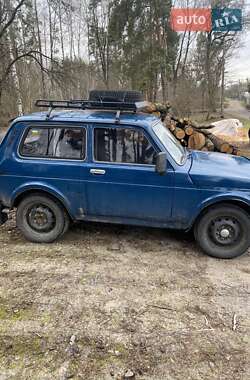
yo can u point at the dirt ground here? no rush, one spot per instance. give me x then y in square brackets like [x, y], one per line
[109, 300]
[236, 108]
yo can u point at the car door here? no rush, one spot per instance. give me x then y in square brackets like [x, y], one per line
[122, 181]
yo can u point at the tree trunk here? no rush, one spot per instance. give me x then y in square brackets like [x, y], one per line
[50, 32]
[61, 30]
[210, 91]
[222, 84]
[164, 86]
[219, 144]
[15, 77]
[40, 49]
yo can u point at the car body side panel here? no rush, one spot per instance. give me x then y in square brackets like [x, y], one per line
[46, 187]
[62, 178]
[131, 192]
[210, 198]
[186, 200]
[220, 172]
[191, 196]
[189, 203]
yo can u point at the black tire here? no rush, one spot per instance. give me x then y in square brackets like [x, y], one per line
[41, 219]
[212, 228]
[66, 224]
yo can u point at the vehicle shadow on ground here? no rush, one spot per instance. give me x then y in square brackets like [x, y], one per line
[139, 238]
[136, 237]
[145, 232]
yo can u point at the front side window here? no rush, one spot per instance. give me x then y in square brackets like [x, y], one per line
[123, 145]
[61, 143]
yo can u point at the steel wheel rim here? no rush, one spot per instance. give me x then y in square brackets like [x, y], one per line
[41, 218]
[225, 231]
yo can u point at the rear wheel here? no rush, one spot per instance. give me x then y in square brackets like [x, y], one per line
[223, 232]
[41, 219]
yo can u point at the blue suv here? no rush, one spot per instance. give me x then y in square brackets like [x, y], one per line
[103, 161]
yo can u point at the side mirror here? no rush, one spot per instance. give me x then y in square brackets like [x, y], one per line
[161, 163]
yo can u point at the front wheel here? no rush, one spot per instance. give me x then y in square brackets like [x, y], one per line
[41, 219]
[223, 231]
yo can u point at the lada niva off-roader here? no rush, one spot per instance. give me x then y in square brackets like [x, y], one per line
[102, 160]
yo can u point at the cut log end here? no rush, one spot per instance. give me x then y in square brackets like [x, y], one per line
[197, 141]
[179, 133]
[189, 130]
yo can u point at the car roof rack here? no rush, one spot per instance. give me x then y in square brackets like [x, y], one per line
[92, 105]
[107, 103]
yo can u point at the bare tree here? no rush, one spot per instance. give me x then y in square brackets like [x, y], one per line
[40, 47]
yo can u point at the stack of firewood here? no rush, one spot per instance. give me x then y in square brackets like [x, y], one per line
[192, 135]
[197, 137]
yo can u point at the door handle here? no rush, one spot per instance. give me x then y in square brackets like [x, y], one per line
[97, 171]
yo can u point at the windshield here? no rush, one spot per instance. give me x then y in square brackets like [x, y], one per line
[173, 146]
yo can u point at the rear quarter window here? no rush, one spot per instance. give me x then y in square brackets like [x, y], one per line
[57, 143]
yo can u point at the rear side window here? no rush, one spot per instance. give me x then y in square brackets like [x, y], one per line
[61, 143]
[123, 145]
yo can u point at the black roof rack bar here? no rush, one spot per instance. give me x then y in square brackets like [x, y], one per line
[55, 104]
[90, 104]
[50, 110]
[117, 118]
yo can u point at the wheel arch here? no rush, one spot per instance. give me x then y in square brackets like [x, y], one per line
[20, 195]
[226, 202]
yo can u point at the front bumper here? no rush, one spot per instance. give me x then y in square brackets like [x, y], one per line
[3, 215]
